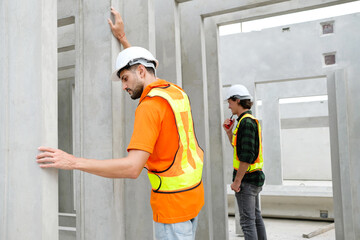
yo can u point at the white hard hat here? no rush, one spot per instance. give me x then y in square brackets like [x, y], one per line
[238, 91]
[131, 56]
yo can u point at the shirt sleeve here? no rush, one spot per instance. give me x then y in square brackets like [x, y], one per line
[147, 125]
[247, 149]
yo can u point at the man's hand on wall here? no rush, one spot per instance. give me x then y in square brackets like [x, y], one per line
[55, 158]
[118, 28]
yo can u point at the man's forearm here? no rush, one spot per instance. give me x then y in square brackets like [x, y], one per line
[110, 168]
[241, 171]
[127, 167]
[124, 42]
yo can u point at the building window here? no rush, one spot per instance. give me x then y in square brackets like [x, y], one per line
[329, 59]
[327, 27]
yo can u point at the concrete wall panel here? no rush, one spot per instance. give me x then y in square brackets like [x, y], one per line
[98, 203]
[168, 50]
[66, 8]
[139, 21]
[66, 35]
[344, 158]
[28, 89]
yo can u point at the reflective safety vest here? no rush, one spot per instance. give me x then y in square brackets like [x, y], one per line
[258, 164]
[185, 172]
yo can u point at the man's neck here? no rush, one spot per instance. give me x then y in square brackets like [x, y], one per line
[242, 110]
[150, 79]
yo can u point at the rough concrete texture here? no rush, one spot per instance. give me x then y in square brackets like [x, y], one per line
[287, 229]
[28, 119]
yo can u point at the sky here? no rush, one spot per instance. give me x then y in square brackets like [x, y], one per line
[306, 16]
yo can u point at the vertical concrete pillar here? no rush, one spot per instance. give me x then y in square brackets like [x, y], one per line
[271, 137]
[99, 203]
[139, 21]
[344, 118]
[168, 49]
[193, 84]
[28, 119]
[214, 103]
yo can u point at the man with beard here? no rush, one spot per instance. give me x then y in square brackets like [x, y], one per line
[163, 142]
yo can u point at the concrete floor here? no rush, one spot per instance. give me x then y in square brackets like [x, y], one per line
[286, 229]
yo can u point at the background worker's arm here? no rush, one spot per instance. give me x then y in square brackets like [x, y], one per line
[239, 176]
[127, 167]
[118, 29]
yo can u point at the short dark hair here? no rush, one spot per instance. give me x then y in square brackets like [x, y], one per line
[245, 103]
[128, 67]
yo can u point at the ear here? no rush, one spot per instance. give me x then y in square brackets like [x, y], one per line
[142, 71]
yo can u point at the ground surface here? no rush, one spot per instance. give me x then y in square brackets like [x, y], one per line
[285, 229]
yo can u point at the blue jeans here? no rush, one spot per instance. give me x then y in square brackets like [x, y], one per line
[251, 221]
[176, 231]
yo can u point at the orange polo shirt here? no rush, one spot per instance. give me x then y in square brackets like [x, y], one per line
[155, 132]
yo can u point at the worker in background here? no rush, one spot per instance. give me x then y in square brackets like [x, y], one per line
[163, 141]
[248, 177]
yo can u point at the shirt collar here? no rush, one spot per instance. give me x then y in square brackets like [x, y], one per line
[241, 115]
[158, 83]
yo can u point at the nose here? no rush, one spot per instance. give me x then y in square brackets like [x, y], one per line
[124, 86]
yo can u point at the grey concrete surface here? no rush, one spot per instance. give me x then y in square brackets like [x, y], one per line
[28, 119]
[139, 19]
[287, 229]
[98, 205]
[66, 41]
[343, 151]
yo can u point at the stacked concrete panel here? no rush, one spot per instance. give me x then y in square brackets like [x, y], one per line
[139, 20]
[66, 84]
[28, 119]
[98, 202]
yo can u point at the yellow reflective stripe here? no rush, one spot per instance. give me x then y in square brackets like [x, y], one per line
[191, 137]
[178, 106]
[191, 176]
[233, 142]
[176, 183]
[255, 166]
[252, 167]
[236, 161]
[182, 105]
